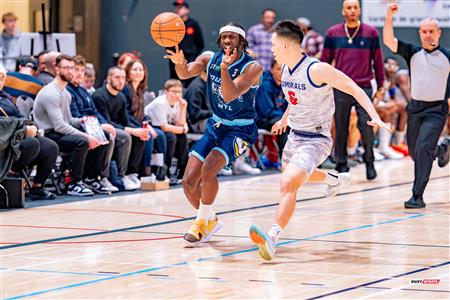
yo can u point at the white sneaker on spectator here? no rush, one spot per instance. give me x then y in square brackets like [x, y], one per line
[106, 183]
[390, 153]
[134, 178]
[128, 184]
[78, 189]
[241, 167]
[96, 185]
[225, 172]
[377, 155]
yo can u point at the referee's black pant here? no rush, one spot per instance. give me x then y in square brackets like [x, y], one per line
[344, 103]
[425, 123]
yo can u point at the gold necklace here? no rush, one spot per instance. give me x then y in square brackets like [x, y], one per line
[350, 38]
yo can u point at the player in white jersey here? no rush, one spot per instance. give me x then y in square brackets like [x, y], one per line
[307, 85]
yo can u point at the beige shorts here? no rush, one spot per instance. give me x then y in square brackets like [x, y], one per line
[306, 152]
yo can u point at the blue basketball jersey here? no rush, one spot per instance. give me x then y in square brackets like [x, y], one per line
[241, 108]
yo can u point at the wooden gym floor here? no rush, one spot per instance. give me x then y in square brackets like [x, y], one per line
[360, 244]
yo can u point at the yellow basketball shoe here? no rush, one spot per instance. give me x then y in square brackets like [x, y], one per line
[195, 233]
[212, 227]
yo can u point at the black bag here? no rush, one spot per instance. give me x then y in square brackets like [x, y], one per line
[12, 195]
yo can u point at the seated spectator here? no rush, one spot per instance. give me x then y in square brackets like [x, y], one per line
[23, 86]
[89, 79]
[48, 73]
[112, 104]
[35, 150]
[82, 105]
[125, 59]
[168, 112]
[136, 76]
[268, 110]
[52, 113]
[198, 109]
[402, 98]
[386, 105]
[41, 57]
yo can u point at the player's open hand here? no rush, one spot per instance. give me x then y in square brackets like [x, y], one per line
[279, 127]
[176, 57]
[229, 57]
[379, 123]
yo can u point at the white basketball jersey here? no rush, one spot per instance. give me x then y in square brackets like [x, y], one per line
[311, 105]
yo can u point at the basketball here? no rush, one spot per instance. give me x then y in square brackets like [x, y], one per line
[167, 29]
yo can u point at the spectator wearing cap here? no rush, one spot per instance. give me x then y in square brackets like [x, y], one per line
[259, 38]
[22, 85]
[192, 44]
[10, 41]
[312, 41]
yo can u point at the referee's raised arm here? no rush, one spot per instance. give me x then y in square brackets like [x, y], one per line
[388, 30]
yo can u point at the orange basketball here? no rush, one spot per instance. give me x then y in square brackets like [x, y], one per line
[167, 29]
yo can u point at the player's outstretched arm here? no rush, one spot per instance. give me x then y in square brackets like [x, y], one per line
[232, 89]
[324, 73]
[388, 30]
[184, 69]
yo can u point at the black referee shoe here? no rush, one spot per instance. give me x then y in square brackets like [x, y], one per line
[444, 158]
[415, 203]
[371, 173]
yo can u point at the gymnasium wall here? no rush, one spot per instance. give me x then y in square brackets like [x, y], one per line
[125, 25]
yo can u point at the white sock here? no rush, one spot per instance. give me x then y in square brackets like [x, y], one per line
[275, 231]
[331, 179]
[351, 150]
[212, 216]
[399, 136]
[384, 137]
[204, 212]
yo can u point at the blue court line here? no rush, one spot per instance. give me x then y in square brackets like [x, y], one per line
[380, 280]
[62, 272]
[84, 283]
[192, 218]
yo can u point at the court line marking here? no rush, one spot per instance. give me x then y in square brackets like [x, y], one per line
[63, 272]
[84, 283]
[109, 210]
[192, 218]
[378, 281]
[109, 241]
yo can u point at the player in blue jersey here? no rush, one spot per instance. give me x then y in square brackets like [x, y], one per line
[233, 77]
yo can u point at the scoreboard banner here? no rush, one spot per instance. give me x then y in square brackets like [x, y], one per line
[410, 13]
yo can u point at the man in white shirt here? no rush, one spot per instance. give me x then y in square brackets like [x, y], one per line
[168, 112]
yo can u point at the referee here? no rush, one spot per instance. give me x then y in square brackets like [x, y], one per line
[429, 67]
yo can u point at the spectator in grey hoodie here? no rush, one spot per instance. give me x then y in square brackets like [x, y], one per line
[52, 113]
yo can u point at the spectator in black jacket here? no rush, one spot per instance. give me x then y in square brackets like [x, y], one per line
[112, 104]
[192, 44]
[35, 150]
